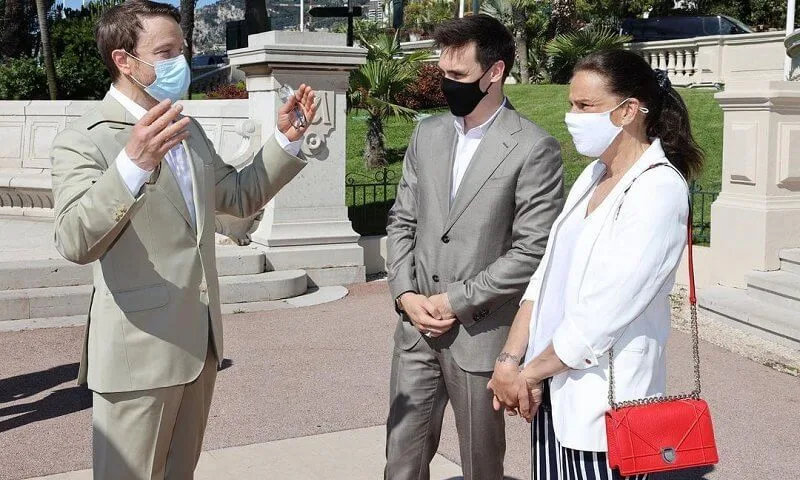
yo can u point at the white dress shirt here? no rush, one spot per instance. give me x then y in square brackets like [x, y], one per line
[467, 145]
[177, 159]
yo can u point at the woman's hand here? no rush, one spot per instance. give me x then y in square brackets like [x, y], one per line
[529, 393]
[502, 383]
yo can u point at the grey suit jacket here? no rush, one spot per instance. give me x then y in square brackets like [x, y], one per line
[482, 249]
[156, 293]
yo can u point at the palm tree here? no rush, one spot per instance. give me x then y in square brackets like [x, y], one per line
[566, 50]
[49, 64]
[187, 25]
[374, 86]
[514, 14]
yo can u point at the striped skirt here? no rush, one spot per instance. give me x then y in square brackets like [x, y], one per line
[552, 461]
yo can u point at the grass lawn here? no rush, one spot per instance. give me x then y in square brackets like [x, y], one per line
[545, 105]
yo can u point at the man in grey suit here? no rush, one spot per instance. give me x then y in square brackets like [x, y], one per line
[480, 191]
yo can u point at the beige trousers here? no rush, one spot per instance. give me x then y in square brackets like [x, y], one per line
[152, 434]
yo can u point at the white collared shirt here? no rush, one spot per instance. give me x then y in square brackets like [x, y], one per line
[467, 146]
[177, 159]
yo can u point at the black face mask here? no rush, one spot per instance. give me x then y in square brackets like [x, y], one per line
[463, 97]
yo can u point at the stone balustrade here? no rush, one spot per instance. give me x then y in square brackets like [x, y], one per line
[717, 60]
[698, 62]
[27, 129]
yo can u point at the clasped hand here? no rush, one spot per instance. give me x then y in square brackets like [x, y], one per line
[516, 390]
[432, 316]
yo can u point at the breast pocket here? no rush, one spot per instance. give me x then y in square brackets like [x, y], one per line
[500, 181]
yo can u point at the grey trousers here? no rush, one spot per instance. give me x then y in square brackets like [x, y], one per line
[152, 434]
[423, 380]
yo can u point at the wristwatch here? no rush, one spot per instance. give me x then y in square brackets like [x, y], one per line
[397, 305]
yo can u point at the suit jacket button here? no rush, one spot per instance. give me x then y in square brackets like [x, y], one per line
[445, 239]
[436, 278]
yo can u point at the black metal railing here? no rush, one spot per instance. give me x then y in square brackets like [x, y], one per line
[369, 199]
[701, 212]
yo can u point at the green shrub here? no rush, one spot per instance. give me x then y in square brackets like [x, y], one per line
[228, 91]
[22, 79]
[82, 75]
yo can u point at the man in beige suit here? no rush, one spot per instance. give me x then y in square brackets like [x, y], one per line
[136, 187]
[480, 191]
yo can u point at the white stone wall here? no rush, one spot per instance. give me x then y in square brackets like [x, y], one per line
[28, 128]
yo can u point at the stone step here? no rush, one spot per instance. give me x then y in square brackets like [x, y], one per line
[29, 303]
[44, 302]
[57, 272]
[737, 308]
[777, 288]
[790, 260]
[314, 296]
[263, 287]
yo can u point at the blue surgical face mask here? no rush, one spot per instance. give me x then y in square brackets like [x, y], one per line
[172, 81]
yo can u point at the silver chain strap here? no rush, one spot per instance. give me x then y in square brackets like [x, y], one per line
[695, 394]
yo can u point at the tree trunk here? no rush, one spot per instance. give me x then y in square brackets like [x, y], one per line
[49, 64]
[375, 150]
[13, 29]
[521, 41]
[187, 25]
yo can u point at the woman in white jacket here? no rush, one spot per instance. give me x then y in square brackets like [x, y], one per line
[605, 278]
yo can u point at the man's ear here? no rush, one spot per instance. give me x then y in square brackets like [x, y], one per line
[122, 61]
[497, 71]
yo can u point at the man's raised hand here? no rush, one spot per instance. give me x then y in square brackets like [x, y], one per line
[155, 134]
[306, 99]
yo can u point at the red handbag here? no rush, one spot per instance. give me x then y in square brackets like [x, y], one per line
[662, 433]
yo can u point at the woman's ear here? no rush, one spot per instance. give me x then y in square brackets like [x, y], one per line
[630, 111]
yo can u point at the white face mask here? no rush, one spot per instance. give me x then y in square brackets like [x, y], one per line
[593, 133]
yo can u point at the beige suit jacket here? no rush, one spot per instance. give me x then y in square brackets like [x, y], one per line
[156, 292]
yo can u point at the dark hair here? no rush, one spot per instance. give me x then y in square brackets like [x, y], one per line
[493, 41]
[630, 76]
[119, 27]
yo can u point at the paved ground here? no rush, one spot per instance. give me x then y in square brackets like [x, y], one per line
[321, 369]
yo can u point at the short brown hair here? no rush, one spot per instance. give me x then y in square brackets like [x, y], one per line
[119, 27]
[493, 41]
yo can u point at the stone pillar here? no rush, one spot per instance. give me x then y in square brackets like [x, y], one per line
[306, 226]
[758, 212]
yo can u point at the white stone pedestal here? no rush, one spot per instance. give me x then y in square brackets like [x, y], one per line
[758, 212]
[306, 225]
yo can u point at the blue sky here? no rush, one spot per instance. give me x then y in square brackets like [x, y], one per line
[77, 3]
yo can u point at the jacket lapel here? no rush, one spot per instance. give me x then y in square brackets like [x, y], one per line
[443, 166]
[493, 149]
[198, 176]
[606, 212]
[122, 121]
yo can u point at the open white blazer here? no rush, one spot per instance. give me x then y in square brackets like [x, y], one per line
[617, 294]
